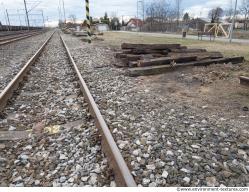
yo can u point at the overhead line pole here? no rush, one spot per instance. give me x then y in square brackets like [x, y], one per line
[137, 16]
[27, 14]
[64, 11]
[59, 13]
[234, 15]
[4, 13]
[143, 10]
[19, 18]
[7, 14]
[43, 19]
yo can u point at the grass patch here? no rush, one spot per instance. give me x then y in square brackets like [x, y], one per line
[235, 49]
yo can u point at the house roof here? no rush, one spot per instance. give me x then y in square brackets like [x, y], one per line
[135, 22]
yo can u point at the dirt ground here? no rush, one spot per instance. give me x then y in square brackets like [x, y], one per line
[186, 124]
[214, 88]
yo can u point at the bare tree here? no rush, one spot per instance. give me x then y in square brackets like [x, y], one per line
[215, 14]
[158, 13]
[244, 9]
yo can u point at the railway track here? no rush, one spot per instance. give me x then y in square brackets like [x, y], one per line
[9, 33]
[9, 38]
[46, 96]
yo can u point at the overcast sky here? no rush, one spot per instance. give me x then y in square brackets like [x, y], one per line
[97, 8]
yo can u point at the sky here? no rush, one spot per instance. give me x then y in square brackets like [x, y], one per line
[196, 8]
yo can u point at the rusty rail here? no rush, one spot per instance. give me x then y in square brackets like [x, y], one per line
[17, 38]
[244, 80]
[13, 85]
[11, 33]
[122, 174]
[13, 36]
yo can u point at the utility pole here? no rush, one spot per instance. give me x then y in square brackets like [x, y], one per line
[59, 14]
[43, 19]
[20, 22]
[137, 14]
[141, 8]
[6, 20]
[234, 15]
[140, 11]
[64, 11]
[178, 7]
[19, 19]
[27, 14]
[143, 11]
[7, 14]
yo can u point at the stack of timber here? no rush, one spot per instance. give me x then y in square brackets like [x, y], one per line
[80, 33]
[151, 59]
[244, 80]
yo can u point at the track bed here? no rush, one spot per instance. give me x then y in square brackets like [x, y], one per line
[13, 56]
[166, 140]
[64, 149]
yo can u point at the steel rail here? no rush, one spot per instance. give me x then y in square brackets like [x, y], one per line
[244, 80]
[8, 41]
[122, 174]
[6, 38]
[2, 34]
[13, 85]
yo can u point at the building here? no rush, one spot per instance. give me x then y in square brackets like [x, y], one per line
[101, 27]
[134, 24]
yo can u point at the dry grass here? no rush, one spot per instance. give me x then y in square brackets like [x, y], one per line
[235, 49]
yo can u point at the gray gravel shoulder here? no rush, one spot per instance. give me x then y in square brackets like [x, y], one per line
[165, 143]
[14, 55]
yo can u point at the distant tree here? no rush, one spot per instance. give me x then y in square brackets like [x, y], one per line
[159, 12]
[186, 17]
[106, 16]
[244, 10]
[215, 14]
[105, 19]
[115, 24]
[229, 11]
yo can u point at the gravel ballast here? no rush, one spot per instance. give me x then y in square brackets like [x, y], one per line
[13, 56]
[64, 148]
[165, 142]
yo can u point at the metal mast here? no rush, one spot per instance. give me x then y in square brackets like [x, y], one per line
[64, 11]
[27, 14]
[234, 15]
